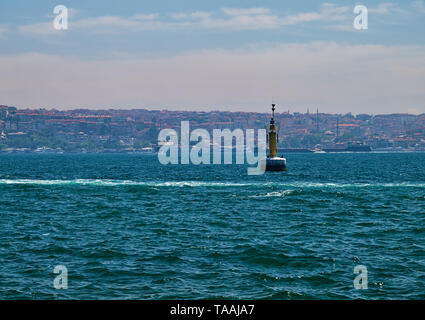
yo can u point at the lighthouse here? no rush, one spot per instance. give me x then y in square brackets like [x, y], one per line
[273, 162]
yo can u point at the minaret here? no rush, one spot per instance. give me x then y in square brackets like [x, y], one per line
[317, 120]
[272, 136]
[337, 126]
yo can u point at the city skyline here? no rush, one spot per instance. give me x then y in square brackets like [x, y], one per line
[233, 56]
[284, 109]
[25, 130]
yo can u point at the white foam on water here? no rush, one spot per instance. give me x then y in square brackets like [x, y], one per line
[273, 194]
[106, 182]
[67, 182]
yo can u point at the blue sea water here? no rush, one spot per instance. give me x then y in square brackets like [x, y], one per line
[127, 227]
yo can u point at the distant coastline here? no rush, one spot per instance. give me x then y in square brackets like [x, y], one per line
[136, 130]
[154, 152]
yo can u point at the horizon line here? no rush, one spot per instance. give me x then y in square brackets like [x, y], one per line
[200, 111]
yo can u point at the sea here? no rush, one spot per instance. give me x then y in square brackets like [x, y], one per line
[124, 226]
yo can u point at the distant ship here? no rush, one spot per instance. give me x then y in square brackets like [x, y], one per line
[47, 150]
[273, 162]
[356, 147]
[317, 150]
[295, 150]
[352, 147]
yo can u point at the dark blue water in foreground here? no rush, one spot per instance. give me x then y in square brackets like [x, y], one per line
[127, 227]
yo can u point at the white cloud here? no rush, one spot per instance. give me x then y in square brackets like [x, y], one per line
[385, 8]
[234, 19]
[193, 20]
[334, 77]
[113, 22]
[72, 13]
[419, 5]
[302, 17]
[327, 12]
[244, 12]
[40, 29]
[145, 17]
[227, 19]
[242, 22]
[191, 16]
[102, 24]
[46, 28]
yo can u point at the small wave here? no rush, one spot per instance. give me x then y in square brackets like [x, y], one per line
[273, 194]
[67, 182]
[107, 182]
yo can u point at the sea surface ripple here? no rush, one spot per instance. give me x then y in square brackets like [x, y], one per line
[127, 227]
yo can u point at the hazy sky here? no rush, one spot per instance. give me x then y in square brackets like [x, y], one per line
[208, 55]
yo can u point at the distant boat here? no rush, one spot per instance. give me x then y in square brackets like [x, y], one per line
[318, 150]
[147, 150]
[355, 147]
[295, 150]
[47, 150]
[350, 148]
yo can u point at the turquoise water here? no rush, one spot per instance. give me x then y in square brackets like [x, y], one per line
[127, 227]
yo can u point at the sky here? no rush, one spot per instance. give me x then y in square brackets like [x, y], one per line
[235, 55]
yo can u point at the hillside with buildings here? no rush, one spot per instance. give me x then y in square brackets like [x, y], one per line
[112, 130]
